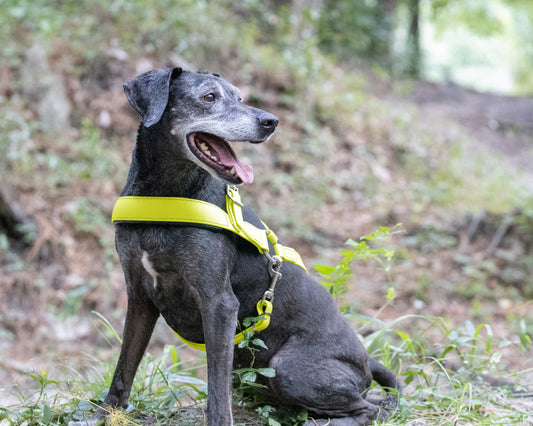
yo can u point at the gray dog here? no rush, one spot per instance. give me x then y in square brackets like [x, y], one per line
[205, 279]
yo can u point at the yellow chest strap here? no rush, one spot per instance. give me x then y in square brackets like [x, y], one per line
[187, 210]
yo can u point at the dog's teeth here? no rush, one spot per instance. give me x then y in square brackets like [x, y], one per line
[214, 158]
[232, 171]
[203, 146]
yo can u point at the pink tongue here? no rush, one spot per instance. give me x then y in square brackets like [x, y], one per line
[245, 172]
[229, 159]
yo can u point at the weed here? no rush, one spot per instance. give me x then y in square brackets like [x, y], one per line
[161, 384]
[245, 379]
[444, 382]
[248, 389]
[336, 277]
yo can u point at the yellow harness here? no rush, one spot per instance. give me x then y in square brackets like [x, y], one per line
[187, 210]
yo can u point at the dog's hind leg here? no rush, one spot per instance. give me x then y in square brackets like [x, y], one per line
[330, 388]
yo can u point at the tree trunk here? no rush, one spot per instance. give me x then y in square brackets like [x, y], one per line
[413, 40]
[388, 9]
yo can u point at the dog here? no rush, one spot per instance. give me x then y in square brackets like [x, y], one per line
[204, 281]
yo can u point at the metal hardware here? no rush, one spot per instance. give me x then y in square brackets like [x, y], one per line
[229, 189]
[274, 265]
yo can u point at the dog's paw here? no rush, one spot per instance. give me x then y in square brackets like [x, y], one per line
[343, 421]
[90, 422]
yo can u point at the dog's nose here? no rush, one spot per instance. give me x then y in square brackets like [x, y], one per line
[268, 121]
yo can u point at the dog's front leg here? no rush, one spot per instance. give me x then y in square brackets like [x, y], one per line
[141, 317]
[219, 315]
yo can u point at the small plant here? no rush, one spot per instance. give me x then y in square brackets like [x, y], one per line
[33, 408]
[246, 377]
[335, 277]
[443, 383]
[287, 417]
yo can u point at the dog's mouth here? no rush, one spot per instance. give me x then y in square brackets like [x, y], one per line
[218, 155]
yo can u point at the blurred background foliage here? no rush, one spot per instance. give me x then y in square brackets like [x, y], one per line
[484, 44]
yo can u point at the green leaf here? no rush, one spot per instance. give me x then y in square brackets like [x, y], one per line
[107, 325]
[260, 343]
[249, 377]
[267, 372]
[47, 413]
[404, 336]
[323, 269]
[525, 339]
[302, 415]
[174, 356]
[470, 329]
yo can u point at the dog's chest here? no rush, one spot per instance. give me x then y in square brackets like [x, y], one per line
[175, 297]
[149, 268]
[177, 261]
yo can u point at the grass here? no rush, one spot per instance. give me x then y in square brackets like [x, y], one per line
[445, 384]
[163, 384]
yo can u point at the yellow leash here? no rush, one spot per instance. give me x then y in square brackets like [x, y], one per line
[186, 210]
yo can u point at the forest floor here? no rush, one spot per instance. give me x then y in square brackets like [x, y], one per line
[502, 124]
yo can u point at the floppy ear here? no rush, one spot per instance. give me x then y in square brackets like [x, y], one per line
[148, 93]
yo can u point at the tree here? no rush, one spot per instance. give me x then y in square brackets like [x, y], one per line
[413, 55]
[353, 30]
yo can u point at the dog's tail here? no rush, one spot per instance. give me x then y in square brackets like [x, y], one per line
[388, 381]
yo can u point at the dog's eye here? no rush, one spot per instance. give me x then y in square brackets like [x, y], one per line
[210, 97]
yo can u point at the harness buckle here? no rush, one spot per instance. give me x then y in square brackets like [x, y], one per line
[230, 190]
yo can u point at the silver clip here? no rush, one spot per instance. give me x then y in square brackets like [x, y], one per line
[274, 265]
[228, 193]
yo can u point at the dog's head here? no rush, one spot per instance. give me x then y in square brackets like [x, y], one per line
[205, 114]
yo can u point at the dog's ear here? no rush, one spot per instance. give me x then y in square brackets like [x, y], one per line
[148, 93]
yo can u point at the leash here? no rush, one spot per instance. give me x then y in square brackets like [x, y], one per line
[135, 209]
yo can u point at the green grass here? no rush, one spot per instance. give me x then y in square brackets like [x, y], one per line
[163, 384]
[444, 384]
